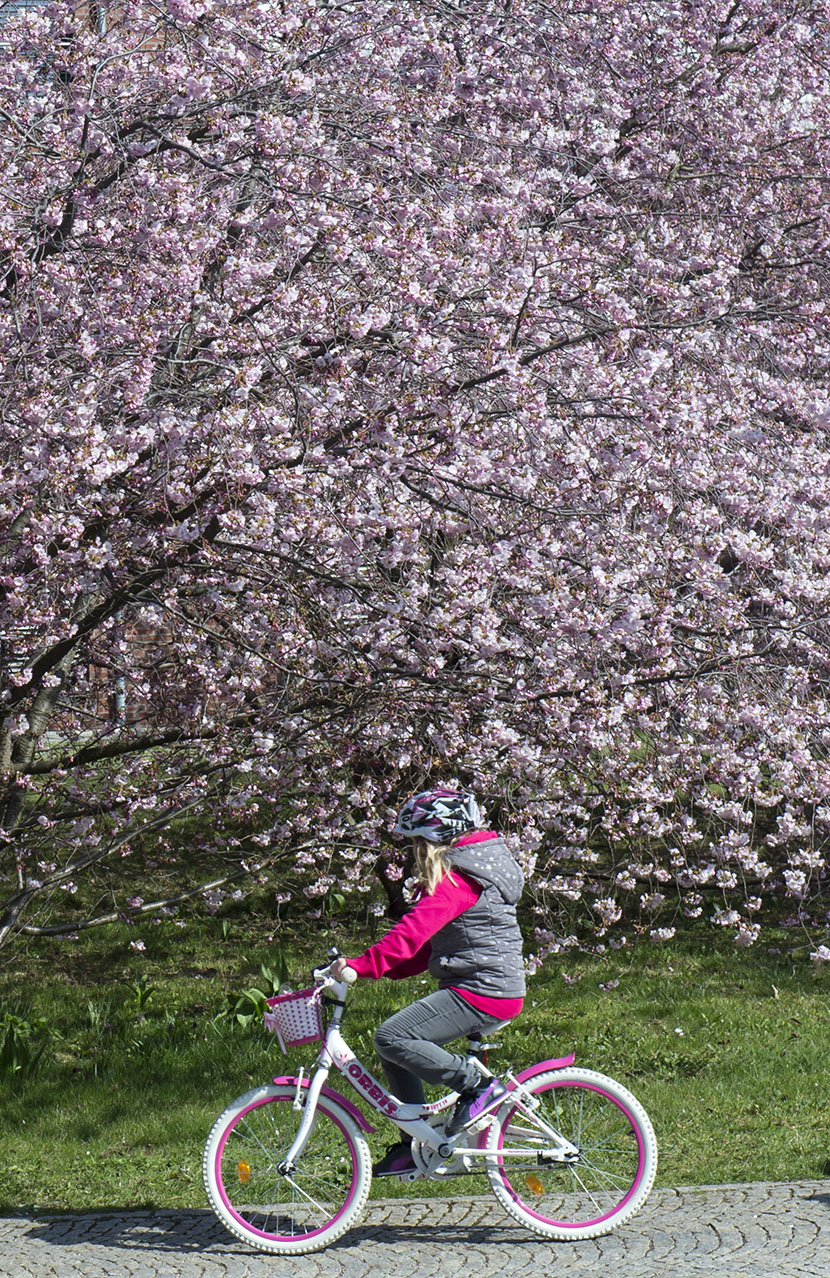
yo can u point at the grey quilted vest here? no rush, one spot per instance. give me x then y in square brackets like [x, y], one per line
[481, 950]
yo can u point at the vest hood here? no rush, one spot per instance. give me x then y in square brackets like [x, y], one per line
[491, 864]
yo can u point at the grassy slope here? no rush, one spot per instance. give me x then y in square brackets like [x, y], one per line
[118, 1111]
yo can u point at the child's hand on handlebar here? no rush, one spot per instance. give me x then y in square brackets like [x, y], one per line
[336, 969]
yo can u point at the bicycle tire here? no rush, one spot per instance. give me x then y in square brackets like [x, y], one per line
[615, 1170]
[271, 1211]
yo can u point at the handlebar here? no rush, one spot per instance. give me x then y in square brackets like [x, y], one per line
[324, 975]
[320, 974]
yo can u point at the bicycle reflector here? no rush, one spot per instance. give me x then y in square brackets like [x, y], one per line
[243, 1172]
[534, 1184]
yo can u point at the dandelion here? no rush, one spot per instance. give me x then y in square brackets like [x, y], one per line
[137, 945]
[821, 955]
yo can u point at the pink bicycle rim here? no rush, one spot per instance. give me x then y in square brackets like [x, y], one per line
[584, 1224]
[252, 1228]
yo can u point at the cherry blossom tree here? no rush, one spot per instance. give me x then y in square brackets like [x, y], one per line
[396, 393]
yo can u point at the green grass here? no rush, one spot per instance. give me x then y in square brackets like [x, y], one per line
[726, 1049]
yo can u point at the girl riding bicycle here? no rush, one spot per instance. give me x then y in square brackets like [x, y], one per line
[463, 930]
[568, 1152]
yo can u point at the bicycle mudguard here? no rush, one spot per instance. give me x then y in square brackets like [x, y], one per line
[332, 1095]
[543, 1066]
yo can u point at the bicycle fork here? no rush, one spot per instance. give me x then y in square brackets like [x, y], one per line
[309, 1110]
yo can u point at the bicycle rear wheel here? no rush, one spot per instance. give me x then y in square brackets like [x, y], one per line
[276, 1212]
[612, 1176]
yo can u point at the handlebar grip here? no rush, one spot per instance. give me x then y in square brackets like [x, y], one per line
[349, 975]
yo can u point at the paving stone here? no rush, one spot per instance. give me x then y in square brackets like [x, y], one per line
[721, 1231]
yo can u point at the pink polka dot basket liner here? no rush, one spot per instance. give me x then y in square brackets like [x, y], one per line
[295, 1018]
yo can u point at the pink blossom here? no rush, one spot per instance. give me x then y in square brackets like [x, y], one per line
[386, 400]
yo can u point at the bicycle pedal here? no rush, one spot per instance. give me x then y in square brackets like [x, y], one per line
[480, 1125]
[406, 1178]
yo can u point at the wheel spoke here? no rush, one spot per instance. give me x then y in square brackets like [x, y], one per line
[575, 1173]
[323, 1210]
[621, 1184]
[249, 1136]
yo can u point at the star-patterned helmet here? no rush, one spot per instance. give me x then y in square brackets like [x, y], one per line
[438, 815]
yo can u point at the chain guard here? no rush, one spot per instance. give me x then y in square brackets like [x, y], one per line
[430, 1163]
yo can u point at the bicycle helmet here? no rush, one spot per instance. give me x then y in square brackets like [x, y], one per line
[438, 815]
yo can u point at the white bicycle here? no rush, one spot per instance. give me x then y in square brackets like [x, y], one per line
[569, 1153]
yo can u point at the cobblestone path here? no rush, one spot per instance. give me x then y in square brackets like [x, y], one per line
[724, 1231]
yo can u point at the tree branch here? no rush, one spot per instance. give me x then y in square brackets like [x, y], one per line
[81, 925]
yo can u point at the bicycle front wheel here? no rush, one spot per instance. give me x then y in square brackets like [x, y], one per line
[277, 1211]
[608, 1181]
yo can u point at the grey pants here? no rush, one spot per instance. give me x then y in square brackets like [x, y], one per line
[410, 1045]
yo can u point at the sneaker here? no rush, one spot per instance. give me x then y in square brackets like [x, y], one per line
[396, 1161]
[471, 1105]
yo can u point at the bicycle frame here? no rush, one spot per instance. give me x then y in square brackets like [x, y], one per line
[411, 1119]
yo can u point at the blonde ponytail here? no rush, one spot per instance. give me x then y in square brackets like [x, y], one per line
[432, 863]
